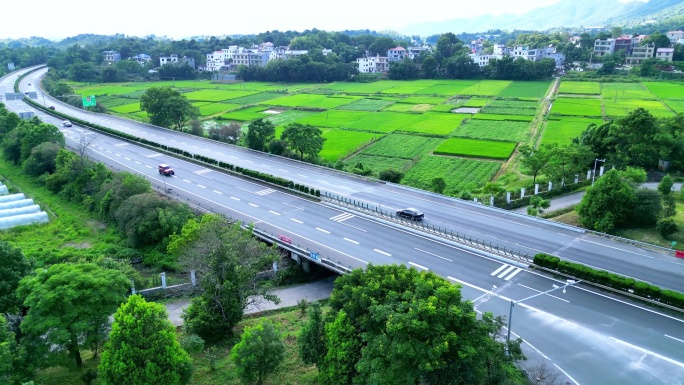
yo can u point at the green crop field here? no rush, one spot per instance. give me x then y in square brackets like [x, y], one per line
[342, 143]
[126, 108]
[491, 129]
[249, 113]
[514, 118]
[405, 89]
[333, 118]
[434, 123]
[508, 111]
[216, 95]
[403, 146]
[625, 91]
[113, 101]
[109, 88]
[412, 108]
[527, 105]
[378, 163]
[255, 98]
[215, 108]
[358, 88]
[366, 105]
[287, 117]
[476, 148]
[576, 107]
[519, 89]
[458, 173]
[447, 89]
[582, 88]
[676, 105]
[665, 90]
[311, 100]
[476, 102]
[562, 131]
[622, 107]
[384, 122]
[423, 100]
[487, 87]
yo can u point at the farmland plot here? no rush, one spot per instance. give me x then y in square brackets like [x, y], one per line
[625, 91]
[215, 108]
[487, 87]
[216, 95]
[665, 90]
[378, 163]
[384, 122]
[412, 108]
[621, 107]
[508, 111]
[255, 98]
[366, 105]
[311, 100]
[514, 118]
[519, 89]
[447, 89]
[403, 146]
[342, 143]
[333, 118]
[476, 148]
[676, 105]
[245, 114]
[423, 100]
[581, 88]
[458, 173]
[491, 129]
[576, 107]
[434, 123]
[359, 88]
[562, 131]
[126, 108]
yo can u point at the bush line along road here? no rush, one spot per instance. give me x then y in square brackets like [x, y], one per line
[593, 338]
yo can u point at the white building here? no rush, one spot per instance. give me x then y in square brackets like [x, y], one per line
[111, 56]
[373, 64]
[174, 59]
[142, 59]
[674, 36]
[396, 54]
[665, 54]
[604, 47]
[522, 52]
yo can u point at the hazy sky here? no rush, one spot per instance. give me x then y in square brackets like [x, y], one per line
[57, 19]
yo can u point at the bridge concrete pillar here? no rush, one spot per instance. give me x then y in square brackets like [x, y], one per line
[550, 185]
[275, 266]
[536, 189]
[306, 265]
[508, 197]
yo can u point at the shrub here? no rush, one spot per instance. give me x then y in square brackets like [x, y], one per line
[192, 343]
[666, 227]
[391, 175]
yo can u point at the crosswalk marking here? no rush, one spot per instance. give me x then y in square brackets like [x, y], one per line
[506, 271]
[265, 192]
[342, 217]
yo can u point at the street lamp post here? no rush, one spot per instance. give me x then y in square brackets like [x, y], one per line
[593, 175]
[569, 282]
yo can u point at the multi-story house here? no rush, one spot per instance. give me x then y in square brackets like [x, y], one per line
[674, 36]
[373, 64]
[520, 52]
[604, 47]
[623, 43]
[142, 59]
[249, 57]
[664, 54]
[415, 51]
[111, 56]
[396, 53]
[640, 53]
[636, 40]
[174, 59]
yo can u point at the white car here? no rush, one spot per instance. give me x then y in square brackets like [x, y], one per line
[66, 123]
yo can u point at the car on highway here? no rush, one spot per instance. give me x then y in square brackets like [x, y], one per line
[411, 213]
[52, 107]
[66, 123]
[166, 170]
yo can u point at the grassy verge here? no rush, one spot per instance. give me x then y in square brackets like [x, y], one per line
[71, 233]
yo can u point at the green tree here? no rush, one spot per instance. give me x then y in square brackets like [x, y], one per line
[312, 338]
[394, 325]
[537, 205]
[535, 160]
[227, 260]
[260, 132]
[607, 204]
[648, 207]
[115, 191]
[438, 185]
[665, 185]
[13, 267]
[304, 139]
[391, 175]
[43, 159]
[429, 67]
[70, 304]
[12, 356]
[660, 40]
[167, 107]
[259, 352]
[142, 347]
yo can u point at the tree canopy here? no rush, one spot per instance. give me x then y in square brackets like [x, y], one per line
[13, 267]
[607, 204]
[304, 139]
[260, 133]
[70, 304]
[167, 107]
[259, 352]
[395, 325]
[142, 347]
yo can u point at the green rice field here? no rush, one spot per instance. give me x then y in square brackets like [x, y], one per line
[216, 95]
[676, 105]
[518, 89]
[491, 129]
[126, 108]
[451, 88]
[666, 90]
[621, 107]
[487, 88]
[311, 100]
[342, 143]
[515, 118]
[625, 91]
[385, 122]
[411, 108]
[216, 108]
[582, 88]
[576, 107]
[366, 105]
[245, 114]
[562, 131]
[476, 148]
[333, 118]
[379, 163]
[434, 123]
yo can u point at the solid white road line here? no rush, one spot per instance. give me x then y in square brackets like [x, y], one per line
[670, 360]
[674, 338]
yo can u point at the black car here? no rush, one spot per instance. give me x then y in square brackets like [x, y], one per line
[411, 213]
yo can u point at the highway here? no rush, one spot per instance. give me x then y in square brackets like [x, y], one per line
[593, 338]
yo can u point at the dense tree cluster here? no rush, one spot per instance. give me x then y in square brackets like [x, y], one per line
[395, 325]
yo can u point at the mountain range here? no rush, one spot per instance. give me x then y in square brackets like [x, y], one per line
[565, 13]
